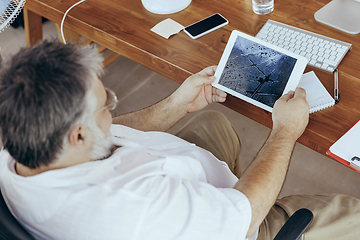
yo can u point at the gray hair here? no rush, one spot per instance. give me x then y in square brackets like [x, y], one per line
[44, 91]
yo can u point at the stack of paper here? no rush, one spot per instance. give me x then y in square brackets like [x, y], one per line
[347, 149]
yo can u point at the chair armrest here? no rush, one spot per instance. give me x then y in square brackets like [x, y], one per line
[296, 225]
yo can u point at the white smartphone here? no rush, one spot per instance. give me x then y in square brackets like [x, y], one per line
[205, 26]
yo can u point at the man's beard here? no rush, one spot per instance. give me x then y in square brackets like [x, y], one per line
[102, 147]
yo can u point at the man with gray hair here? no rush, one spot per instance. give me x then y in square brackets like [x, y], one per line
[70, 171]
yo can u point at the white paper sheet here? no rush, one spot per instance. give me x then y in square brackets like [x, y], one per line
[167, 28]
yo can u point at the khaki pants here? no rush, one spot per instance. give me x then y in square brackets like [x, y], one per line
[336, 216]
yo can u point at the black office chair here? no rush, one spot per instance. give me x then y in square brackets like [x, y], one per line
[10, 229]
[294, 227]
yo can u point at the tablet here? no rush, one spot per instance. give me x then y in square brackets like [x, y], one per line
[256, 71]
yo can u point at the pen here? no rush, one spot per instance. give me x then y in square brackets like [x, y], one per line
[336, 86]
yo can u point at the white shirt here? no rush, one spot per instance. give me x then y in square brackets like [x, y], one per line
[156, 186]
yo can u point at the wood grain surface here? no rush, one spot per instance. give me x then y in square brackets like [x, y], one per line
[124, 27]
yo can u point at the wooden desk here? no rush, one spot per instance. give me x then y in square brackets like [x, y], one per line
[124, 27]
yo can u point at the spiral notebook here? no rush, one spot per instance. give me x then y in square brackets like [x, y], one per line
[316, 94]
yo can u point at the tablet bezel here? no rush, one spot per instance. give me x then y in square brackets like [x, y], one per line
[291, 84]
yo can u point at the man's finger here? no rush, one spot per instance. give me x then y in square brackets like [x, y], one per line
[201, 80]
[300, 92]
[287, 96]
[209, 71]
[217, 98]
[219, 92]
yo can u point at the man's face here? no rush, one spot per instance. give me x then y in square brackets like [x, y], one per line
[103, 117]
[102, 145]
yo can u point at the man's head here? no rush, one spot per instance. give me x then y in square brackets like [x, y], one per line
[47, 93]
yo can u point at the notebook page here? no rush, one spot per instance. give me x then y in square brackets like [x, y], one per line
[316, 94]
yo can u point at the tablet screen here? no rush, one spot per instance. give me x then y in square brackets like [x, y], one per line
[252, 70]
[256, 71]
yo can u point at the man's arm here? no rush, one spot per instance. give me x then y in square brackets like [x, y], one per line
[194, 94]
[263, 180]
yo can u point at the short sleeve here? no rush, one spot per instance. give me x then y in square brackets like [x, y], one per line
[184, 209]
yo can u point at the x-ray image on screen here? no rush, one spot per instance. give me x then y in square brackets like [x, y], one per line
[257, 71]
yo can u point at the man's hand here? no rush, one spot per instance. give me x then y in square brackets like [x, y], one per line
[291, 114]
[196, 92]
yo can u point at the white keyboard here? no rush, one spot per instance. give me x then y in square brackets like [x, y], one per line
[321, 51]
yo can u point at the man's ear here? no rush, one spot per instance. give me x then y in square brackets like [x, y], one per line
[76, 135]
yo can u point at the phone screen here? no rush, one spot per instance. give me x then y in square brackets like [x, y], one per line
[205, 24]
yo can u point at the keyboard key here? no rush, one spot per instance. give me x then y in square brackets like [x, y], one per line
[330, 62]
[312, 62]
[340, 50]
[310, 46]
[321, 59]
[261, 35]
[338, 58]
